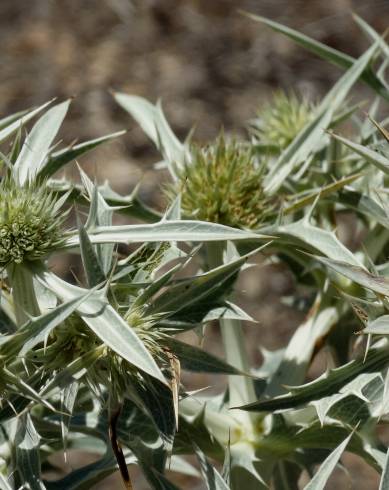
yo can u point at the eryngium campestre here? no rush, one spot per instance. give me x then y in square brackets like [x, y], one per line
[223, 184]
[30, 227]
[279, 122]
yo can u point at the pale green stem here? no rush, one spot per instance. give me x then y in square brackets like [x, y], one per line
[241, 388]
[23, 293]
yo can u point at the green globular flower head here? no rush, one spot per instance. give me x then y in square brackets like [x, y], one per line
[279, 122]
[30, 227]
[223, 184]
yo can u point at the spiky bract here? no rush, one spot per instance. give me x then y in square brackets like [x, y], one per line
[223, 184]
[30, 225]
[73, 340]
[279, 122]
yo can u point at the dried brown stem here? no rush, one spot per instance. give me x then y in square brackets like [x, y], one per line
[117, 450]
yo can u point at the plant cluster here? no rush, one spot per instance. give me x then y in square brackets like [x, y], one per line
[95, 363]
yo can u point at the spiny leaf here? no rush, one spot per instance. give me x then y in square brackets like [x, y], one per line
[154, 124]
[106, 323]
[320, 479]
[378, 160]
[27, 454]
[358, 274]
[8, 129]
[60, 158]
[197, 360]
[326, 385]
[326, 52]
[186, 230]
[36, 147]
[379, 326]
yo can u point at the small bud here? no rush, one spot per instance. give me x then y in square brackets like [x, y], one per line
[279, 122]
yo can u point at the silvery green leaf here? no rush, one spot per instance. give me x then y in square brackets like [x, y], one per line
[16, 383]
[355, 403]
[321, 193]
[328, 384]
[308, 139]
[130, 205]
[8, 129]
[246, 466]
[68, 400]
[358, 274]
[8, 120]
[319, 481]
[181, 465]
[36, 147]
[100, 214]
[293, 367]
[154, 124]
[211, 421]
[364, 204]
[198, 360]
[60, 158]
[4, 485]
[240, 389]
[271, 362]
[323, 240]
[379, 326]
[212, 477]
[228, 310]
[37, 329]
[326, 52]
[155, 286]
[324, 405]
[21, 393]
[93, 270]
[329, 437]
[174, 210]
[372, 34]
[46, 299]
[71, 373]
[27, 459]
[195, 290]
[372, 156]
[385, 397]
[106, 323]
[186, 230]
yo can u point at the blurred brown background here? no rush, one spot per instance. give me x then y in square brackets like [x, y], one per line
[211, 66]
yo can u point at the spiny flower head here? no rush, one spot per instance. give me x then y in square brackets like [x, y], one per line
[30, 226]
[144, 327]
[223, 184]
[282, 119]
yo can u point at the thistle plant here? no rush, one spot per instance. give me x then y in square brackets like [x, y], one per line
[286, 425]
[96, 363]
